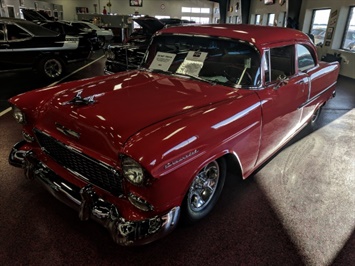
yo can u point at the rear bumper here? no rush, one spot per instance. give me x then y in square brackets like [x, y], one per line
[91, 206]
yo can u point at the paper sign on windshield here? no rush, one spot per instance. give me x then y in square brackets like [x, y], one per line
[162, 61]
[192, 63]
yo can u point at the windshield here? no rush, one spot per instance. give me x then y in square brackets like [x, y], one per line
[222, 61]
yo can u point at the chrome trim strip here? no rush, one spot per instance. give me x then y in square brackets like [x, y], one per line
[78, 152]
[95, 182]
[316, 96]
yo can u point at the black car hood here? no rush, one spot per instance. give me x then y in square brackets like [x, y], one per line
[149, 24]
[33, 15]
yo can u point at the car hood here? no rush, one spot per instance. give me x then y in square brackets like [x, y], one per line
[33, 15]
[151, 25]
[125, 103]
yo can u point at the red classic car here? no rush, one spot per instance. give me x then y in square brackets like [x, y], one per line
[138, 150]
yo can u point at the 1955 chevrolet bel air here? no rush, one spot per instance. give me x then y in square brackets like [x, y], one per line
[139, 150]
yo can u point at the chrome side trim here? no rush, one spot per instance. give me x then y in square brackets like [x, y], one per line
[317, 96]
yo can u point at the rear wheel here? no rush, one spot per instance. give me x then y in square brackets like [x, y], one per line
[51, 67]
[204, 191]
[315, 115]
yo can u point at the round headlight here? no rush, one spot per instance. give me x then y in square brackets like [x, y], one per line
[18, 115]
[110, 54]
[132, 171]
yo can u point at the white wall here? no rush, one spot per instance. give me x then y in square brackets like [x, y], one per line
[258, 7]
[340, 8]
[170, 8]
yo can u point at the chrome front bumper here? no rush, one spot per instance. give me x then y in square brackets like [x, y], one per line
[90, 205]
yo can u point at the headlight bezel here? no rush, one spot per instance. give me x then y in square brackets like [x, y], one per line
[18, 115]
[110, 54]
[132, 171]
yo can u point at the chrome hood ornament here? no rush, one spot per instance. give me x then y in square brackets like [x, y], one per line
[79, 100]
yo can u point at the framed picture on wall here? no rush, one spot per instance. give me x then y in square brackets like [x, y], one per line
[135, 2]
[329, 33]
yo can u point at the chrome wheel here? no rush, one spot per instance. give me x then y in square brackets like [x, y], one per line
[204, 191]
[315, 115]
[52, 68]
[203, 187]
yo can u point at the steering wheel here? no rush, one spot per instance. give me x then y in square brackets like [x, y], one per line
[233, 73]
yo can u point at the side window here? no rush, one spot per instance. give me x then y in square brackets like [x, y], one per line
[349, 35]
[319, 25]
[281, 62]
[2, 33]
[305, 60]
[16, 33]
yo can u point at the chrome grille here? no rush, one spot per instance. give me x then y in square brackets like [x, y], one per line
[82, 165]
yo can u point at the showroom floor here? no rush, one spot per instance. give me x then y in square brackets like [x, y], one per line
[299, 209]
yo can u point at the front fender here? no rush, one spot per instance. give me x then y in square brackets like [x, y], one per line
[174, 150]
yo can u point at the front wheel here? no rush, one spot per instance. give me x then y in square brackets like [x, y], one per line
[204, 191]
[51, 67]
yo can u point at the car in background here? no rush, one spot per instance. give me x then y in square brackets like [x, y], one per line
[318, 35]
[33, 15]
[87, 37]
[104, 36]
[24, 44]
[349, 42]
[139, 150]
[130, 54]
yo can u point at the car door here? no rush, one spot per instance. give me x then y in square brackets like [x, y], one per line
[307, 64]
[282, 98]
[18, 45]
[5, 49]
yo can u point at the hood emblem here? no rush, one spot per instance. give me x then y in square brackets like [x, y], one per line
[79, 100]
[67, 131]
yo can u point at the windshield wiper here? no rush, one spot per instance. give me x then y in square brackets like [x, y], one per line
[196, 78]
[158, 71]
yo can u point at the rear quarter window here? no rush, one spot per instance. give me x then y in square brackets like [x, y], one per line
[305, 58]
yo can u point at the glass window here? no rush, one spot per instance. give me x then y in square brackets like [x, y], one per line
[2, 34]
[305, 59]
[319, 25]
[195, 10]
[200, 20]
[204, 20]
[11, 11]
[257, 19]
[281, 63]
[216, 60]
[349, 35]
[16, 33]
[271, 20]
